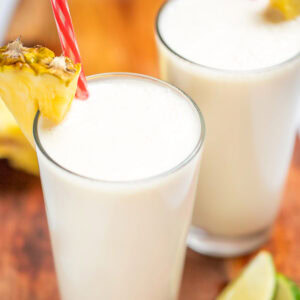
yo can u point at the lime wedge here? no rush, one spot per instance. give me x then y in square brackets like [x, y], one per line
[286, 289]
[256, 282]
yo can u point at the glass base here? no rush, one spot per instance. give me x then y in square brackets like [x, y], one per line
[202, 242]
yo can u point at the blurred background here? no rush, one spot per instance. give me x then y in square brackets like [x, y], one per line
[113, 35]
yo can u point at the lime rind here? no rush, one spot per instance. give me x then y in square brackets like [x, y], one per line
[286, 289]
[256, 282]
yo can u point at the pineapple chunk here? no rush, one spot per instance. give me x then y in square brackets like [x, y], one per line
[33, 79]
[289, 8]
[13, 144]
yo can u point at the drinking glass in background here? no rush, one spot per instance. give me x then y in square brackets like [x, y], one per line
[251, 119]
[7, 8]
[120, 239]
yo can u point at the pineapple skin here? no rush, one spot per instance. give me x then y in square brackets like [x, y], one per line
[14, 146]
[33, 79]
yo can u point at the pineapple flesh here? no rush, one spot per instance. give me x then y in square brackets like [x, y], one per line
[33, 79]
[289, 8]
[13, 145]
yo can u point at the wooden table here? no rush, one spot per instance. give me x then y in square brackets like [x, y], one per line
[113, 35]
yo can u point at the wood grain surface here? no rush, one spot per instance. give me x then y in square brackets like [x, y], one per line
[113, 35]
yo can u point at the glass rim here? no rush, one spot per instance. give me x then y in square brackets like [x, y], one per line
[214, 69]
[174, 169]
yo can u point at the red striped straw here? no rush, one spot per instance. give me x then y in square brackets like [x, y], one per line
[68, 41]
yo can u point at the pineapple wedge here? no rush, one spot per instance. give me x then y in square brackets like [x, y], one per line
[289, 8]
[33, 79]
[13, 144]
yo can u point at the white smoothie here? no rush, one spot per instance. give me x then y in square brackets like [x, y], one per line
[118, 229]
[129, 129]
[228, 34]
[243, 71]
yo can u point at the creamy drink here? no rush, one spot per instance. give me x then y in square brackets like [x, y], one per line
[242, 67]
[119, 177]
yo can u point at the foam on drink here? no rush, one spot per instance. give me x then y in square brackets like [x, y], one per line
[231, 34]
[128, 129]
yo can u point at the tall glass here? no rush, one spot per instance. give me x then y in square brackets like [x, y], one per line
[119, 240]
[251, 119]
